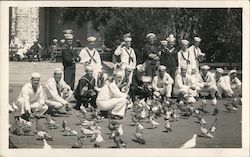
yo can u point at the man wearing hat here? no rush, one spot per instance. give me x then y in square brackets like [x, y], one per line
[31, 98]
[127, 54]
[231, 85]
[151, 55]
[184, 87]
[219, 79]
[196, 51]
[185, 57]
[85, 91]
[91, 55]
[162, 83]
[169, 56]
[53, 49]
[126, 74]
[138, 87]
[34, 51]
[57, 92]
[69, 58]
[207, 80]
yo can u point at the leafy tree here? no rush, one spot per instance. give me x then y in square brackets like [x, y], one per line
[220, 29]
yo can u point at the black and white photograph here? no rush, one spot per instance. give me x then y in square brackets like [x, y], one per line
[132, 77]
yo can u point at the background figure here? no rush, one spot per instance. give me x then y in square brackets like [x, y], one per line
[53, 49]
[91, 56]
[197, 54]
[169, 56]
[85, 91]
[69, 58]
[151, 55]
[34, 51]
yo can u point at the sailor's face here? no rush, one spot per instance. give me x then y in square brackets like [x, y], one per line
[35, 82]
[127, 43]
[171, 43]
[162, 72]
[184, 72]
[57, 77]
[184, 47]
[151, 39]
[70, 41]
[91, 44]
[118, 78]
[89, 72]
[204, 71]
[196, 43]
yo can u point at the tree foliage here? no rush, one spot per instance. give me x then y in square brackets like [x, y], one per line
[220, 29]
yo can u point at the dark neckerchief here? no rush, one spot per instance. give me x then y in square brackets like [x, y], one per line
[91, 57]
[129, 54]
[187, 60]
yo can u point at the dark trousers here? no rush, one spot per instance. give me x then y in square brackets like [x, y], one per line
[171, 71]
[85, 100]
[32, 55]
[142, 93]
[69, 76]
[150, 70]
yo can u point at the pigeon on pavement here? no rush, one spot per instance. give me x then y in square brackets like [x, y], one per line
[190, 143]
[78, 143]
[140, 138]
[46, 145]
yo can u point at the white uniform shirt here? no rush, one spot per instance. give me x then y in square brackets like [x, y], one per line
[196, 54]
[91, 56]
[182, 82]
[208, 80]
[184, 58]
[30, 97]
[127, 55]
[227, 83]
[159, 83]
[51, 90]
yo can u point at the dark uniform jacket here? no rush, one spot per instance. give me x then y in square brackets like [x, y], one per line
[69, 57]
[85, 87]
[147, 50]
[169, 59]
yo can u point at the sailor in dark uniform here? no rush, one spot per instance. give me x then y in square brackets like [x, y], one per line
[85, 92]
[69, 58]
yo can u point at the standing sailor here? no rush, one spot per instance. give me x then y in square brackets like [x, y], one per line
[185, 57]
[90, 55]
[69, 58]
[196, 51]
[151, 55]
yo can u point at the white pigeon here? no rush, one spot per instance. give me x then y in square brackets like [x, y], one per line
[74, 132]
[139, 127]
[203, 130]
[154, 124]
[83, 109]
[46, 145]
[155, 108]
[15, 106]
[25, 122]
[214, 101]
[99, 138]
[143, 113]
[11, 108]
[120, 130]
[209, 135]
[41, 134]
[202, 121]
[87, 132]
[181, 102]
[213, 128]
[197, 112]
[190, 143]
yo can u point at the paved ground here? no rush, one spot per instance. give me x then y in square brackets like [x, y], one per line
[228, 134]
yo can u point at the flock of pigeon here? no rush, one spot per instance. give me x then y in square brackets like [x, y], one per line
[142, 111]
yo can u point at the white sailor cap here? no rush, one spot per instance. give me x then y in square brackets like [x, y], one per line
[68, 36]
[58, 70]
[127, 39]
[232, 72]
[62, 40]
[140, 68]
[150, 34]
[205, 67]
[55, 40]
[184, 42]
[35, 75]
[220, 70]
[197, 39]
[164, 42]
[118, 72]
[91, 39]
[89, 68]
[68, 31]
[127, 35]
[184, 67]
[146, 79]
[161, 68]
[171, 38]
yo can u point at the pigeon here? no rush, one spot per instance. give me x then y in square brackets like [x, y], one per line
[87, 132]
[46, 145]
[68, 129]
[197, 112]
[168, 115]
[44, 135]
[99, 139]
[201, 120]
[139, 127]
[52, 123]
[15, 106]
[168, 126]
[139, 138]
[17, 128]
[216, 111]
[154, 124]
[78, 143]
[38, 127]
[119, 142]
[120, 130]
[190, 143]
[25, 122]
[80, 118]
[11, 109]
[229, 107]
[174, 115]
[214, 101]
[213, 128]
[205, 132]
[83, 109]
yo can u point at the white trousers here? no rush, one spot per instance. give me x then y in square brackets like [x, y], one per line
[165, 91]
[187, 93]
[35, 107]
[56, 104]
[211, 89]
